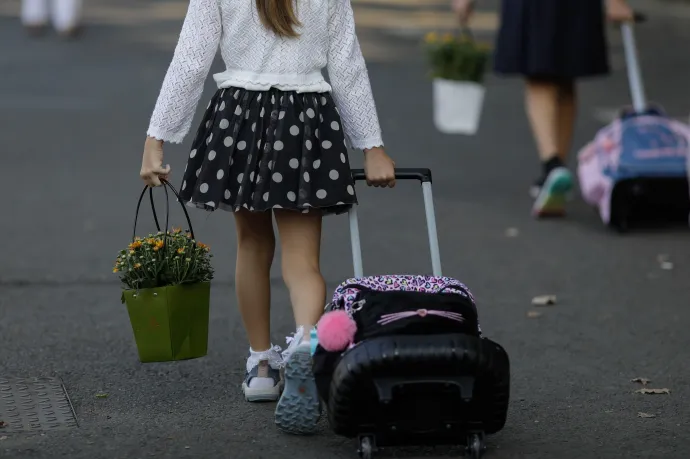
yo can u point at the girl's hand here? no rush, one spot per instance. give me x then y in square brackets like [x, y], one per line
[463, 9]
[619, 11]
[379, 168]
[152, 170]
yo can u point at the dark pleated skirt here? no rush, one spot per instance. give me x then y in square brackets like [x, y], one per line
[552, 39]
[263, 150]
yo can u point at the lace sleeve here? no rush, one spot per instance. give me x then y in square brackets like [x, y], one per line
[184, 81]
[350, 79]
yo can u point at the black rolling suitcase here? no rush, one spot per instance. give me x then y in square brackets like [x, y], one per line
[417, 370]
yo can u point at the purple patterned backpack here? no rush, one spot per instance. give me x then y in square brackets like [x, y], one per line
[407, 304]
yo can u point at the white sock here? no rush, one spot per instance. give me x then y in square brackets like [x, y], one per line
[269, 358]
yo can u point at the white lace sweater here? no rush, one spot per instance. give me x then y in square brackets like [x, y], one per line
[257, 59]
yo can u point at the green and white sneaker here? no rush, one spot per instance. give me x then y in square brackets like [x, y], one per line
[553, 194]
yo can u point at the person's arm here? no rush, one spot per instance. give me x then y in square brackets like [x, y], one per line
[184, 80]
[619, 11]
[350, 79]
[463, 9]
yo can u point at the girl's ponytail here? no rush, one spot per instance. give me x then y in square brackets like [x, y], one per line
[278, 16]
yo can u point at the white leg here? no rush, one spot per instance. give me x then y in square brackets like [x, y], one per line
[35, 12]
[66, 14]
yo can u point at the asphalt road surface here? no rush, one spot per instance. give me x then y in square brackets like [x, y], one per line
[72, 123]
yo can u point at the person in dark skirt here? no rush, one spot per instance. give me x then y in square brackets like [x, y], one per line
[552, 44]
[272, 142]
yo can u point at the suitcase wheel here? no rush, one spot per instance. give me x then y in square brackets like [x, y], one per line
[475, 446]
[366, 448]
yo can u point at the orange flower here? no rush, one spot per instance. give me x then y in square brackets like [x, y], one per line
[203, 246]
[177, 230]
[158, 244]
[180, 250]
[115, 270]
[135, 245]
[137, 265]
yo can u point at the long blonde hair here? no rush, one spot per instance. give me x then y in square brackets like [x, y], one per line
[278, 16]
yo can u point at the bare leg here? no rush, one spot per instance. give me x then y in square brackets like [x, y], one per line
[300, 241]
[255, 250]
[298, 410]
[542, 103]
[567, 111]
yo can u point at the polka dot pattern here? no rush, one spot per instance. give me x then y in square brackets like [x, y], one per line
[269, 150]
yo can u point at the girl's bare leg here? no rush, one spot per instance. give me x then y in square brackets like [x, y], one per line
[550, 107]
[567, 111]
[298, 409]
[542, 103]
[255, 250]
[300, 242]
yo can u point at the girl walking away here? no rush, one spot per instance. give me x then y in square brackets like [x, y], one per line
[552, 43]
[272, 142]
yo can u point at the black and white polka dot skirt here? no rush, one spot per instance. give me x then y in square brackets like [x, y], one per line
[263, 150]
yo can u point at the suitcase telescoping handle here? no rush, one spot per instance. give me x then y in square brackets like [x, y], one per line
[424, 177]
[633, 65]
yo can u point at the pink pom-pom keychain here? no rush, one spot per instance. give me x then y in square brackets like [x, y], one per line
[336, 330]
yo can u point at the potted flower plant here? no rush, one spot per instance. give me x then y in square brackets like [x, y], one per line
[166, 287]
[458, 66]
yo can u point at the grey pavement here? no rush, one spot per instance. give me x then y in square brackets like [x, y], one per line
[72, 124]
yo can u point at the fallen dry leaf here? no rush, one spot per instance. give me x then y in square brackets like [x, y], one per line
[3, 438]
[653, 391]
[544, 300]
[645, 415]
[512, 232]
[643, 381]
[533, 314]
[666, 265]
[102, 395]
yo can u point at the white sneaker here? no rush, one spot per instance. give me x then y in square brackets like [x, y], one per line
[299, 408]
[264, 381]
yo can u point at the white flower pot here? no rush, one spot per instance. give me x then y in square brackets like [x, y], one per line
[457, 106]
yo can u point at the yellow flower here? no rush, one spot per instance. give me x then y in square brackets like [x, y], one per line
[201, 245]
[180, 250]
[158, 244]
[448, 38]
[137, 265]
[135, 245]
[115, 270]
[177, 230]
[431, 37]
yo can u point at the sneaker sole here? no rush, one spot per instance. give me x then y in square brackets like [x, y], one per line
[299, 409]
[554, 194]
[262, 395]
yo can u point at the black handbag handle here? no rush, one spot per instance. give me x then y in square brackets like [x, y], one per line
[166, 185]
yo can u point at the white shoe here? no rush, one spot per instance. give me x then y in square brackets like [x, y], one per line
[264, 380]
